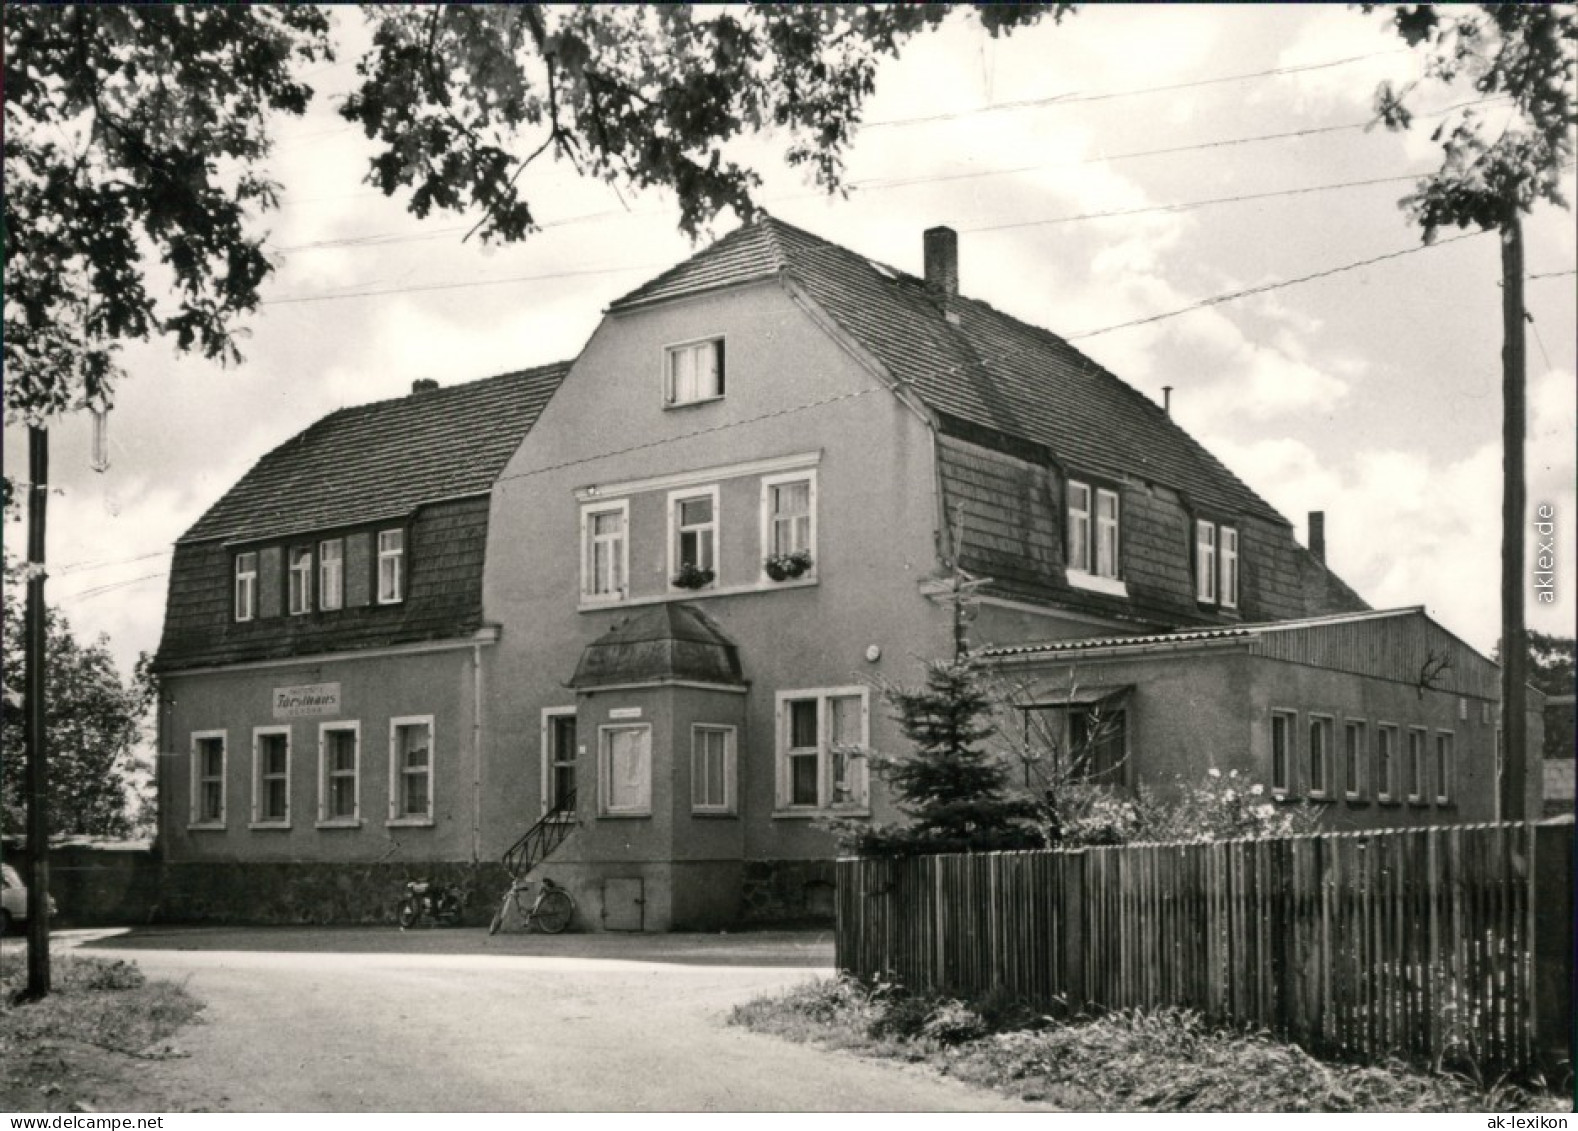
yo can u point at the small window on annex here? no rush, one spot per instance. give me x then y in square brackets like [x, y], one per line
[693, 372]
[1353, 759]
[1386, 762]
[1282, 751]
[1319, 756]
[1082, 741]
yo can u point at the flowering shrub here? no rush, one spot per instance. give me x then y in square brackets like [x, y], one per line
[1223, 807]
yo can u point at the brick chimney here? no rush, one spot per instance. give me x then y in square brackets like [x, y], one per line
[1317, 535]
[942, 262]
[423, 385]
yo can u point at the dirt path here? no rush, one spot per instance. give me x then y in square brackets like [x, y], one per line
[485, 1028]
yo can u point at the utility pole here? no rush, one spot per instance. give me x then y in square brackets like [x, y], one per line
[1514, 645]
[33, 720]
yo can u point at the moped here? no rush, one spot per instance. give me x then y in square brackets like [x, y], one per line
[438, 904]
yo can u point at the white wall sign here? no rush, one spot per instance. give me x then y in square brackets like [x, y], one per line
[306, 700]
[625, 713]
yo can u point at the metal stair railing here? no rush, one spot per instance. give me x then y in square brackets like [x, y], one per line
[542, 839]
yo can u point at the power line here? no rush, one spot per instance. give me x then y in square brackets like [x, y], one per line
[1217, 300]
[291, 299]
[1184, 206]
[1552, 274]
[100, 590]
[79, 567]
[1102, 96]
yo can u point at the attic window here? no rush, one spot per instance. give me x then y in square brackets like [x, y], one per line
[693, 372]
[1093, 539]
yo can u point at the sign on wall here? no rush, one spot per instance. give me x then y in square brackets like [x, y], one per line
[306, 700]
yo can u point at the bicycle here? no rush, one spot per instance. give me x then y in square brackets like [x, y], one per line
[550, 912]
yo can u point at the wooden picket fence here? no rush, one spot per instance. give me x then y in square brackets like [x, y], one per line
[1437, 945]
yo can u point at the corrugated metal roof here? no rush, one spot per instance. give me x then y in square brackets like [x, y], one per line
[380, 460]
[970, 361]
[1186, 636]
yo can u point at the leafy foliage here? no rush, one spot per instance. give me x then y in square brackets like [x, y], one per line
[956, 789]
[93, 722]
[1491, 170]
[464, 99]
[136, 133]
[1551, 662]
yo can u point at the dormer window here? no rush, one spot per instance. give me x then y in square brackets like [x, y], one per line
[300, 580]
[1216, 564]
[1079, 526]
[693, 372]
[1106, 533]
[391, 566]
[246, 585]
[1093, 538]
[331, 573]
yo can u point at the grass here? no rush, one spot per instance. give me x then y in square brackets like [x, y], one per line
[79, 1047]
[1130, 1060]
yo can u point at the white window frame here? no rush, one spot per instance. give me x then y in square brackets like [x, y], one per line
[398, 773]
[298, 584]
[1386, 768]
[1290, 753]
[260, 779]
[675, 531]
[1205, 561]
[331, 574]
[1326, 724]
[807, 476]
[325, 821]
[605, 807]
[246, 585]
[394, 593]
[1227, 553]
[588, 511]
[196, 820]
[549, 763]
[720, 377]
[1445, 758]
[730, 759]
[1353, 783]
[860, 802]
[1102, 525]
[1417, 767]
[1080, 517]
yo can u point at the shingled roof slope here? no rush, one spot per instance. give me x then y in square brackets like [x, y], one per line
[979, 366]
[380, 460]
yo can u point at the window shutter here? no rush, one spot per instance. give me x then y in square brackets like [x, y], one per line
[358, 571]
[270, 581]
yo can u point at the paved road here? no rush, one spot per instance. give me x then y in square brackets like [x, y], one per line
[379, 1020]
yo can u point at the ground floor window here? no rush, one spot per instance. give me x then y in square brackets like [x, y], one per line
[558, 758]
[1386, 762]
[271, 776]
[339, 772]
[1082, 742]
[1444, 765]
[712, 768]
[823, 736]
[208, 778]
[1282, 751]
[1353, 759]
[625, 765]
[411, 769]
[1320, 756]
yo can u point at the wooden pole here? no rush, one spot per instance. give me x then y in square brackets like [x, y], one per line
[33, 721]
[1514, 645]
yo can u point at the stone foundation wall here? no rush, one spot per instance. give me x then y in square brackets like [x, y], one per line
[788, 891]
[313, 892]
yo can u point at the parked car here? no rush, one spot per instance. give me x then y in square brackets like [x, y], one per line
[13, 899]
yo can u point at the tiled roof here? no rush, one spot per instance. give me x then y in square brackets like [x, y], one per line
[972, 362]
[381, 460]
[671, 642]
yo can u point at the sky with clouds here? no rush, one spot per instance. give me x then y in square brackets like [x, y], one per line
[1372, 394]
